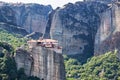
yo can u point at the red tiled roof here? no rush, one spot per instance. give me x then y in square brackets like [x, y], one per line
[44, 40]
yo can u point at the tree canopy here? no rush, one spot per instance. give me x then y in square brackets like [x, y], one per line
[103, 67]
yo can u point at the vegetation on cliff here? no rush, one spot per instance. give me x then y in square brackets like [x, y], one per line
[8, 68]
[14, 39]
[103, 67]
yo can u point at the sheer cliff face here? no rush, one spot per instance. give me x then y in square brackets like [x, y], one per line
[48, 64]
[41, 62]
[87, 27]
[103, 1]
[24, 60]
[75, 26]
[31, 17]
[107, 38]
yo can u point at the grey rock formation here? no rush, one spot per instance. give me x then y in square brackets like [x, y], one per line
[41, 62]
[107, 38]
[75, 26]
[47, 31]
[18, 30]
[48, 64]
[103, 1]
[31, 17]
[24, 60]
[87, 27]
[13, 29]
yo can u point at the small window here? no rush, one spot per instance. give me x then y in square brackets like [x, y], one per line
[38, 43]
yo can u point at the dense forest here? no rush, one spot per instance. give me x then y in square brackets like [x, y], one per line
[8, 70]
[103, 67]
[15, 40]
